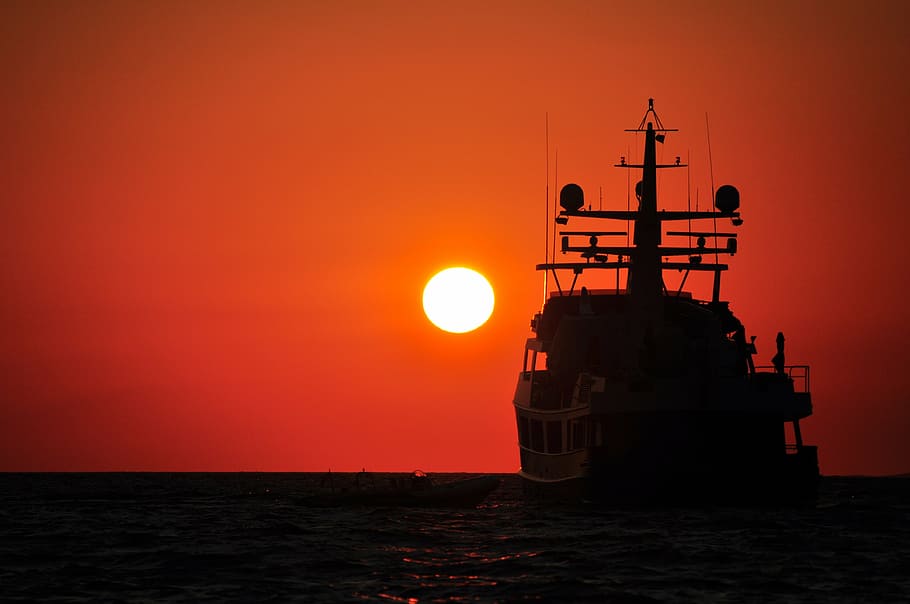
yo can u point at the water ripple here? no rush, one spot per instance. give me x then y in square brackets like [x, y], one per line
[243, 537]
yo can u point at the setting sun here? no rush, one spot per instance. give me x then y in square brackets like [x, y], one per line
[458, 300]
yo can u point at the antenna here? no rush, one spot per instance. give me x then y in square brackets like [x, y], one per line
[713, 192]
[628, 197]
[689, 190]
[546, 205]
[555, 187]
[628, 210]
[710, 158]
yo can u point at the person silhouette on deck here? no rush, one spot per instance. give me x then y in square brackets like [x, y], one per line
[778, 359]
[752, 351]
[742, 349]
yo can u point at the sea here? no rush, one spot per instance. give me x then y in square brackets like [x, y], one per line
[253, 537]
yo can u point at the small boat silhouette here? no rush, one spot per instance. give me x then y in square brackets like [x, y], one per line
[415, 490]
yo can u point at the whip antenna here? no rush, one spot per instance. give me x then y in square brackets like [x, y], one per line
[546, 204]
[555, 187]
[713, 192]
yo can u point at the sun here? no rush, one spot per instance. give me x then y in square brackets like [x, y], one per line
[458, 300]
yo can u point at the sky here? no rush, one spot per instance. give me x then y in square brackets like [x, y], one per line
[218, 217]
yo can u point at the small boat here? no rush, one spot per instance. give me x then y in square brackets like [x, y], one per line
[416, 490]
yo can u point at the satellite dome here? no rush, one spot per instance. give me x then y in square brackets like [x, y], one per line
[726, 200]
[571, 197]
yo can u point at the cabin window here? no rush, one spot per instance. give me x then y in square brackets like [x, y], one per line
[523, 431]
[536, 435]
[529, 361]
[789, 437]
[577, 434]
[535, 361]
[554, 437]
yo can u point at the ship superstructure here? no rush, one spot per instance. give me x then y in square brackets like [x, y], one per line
[640, 393]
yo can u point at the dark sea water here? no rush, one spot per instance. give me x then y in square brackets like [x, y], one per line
[248, 537]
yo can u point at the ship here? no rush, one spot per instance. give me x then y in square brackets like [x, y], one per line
[636, 393]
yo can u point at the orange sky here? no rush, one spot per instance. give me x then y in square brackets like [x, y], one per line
[218, 217]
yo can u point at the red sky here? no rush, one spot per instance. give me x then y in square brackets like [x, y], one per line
[218, 218]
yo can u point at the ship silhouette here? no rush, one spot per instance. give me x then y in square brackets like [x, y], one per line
[644, 394]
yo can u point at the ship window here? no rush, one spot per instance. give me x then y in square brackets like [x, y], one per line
[554, 437]
[789, 437]
[523, 431]
[528, 366]
[536, 361]
[577, 434]
[536, 435]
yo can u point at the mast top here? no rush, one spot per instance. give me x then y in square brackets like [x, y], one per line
[645, 125]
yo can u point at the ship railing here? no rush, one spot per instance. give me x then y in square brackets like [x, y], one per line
[799, 374]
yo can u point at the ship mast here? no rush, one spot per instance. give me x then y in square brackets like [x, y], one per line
[644, 280]
[644, 259]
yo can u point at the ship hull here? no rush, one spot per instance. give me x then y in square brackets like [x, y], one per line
[787, 479]
[737, 443]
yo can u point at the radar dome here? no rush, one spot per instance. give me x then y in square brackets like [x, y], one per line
[571, 197]
[726, 200]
